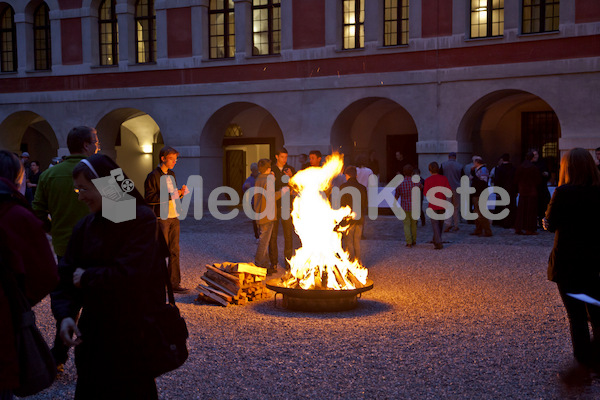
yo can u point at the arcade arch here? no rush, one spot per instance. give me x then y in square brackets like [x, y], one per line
[234, 137]
[380, 125]
[510, 121]
[29, 131]
[133, 139]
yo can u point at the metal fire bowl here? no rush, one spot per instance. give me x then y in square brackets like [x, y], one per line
[318, 300]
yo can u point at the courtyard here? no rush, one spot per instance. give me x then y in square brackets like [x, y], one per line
[477, 319]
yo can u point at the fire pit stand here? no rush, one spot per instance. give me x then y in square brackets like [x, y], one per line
[318, 300]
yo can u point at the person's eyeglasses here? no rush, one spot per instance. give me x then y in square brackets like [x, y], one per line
[79, 191]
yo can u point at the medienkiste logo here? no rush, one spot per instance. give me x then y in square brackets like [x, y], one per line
[117, 204]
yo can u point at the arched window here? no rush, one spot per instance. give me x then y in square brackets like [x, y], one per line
[109, 33]
[221, 29]
[266, 27]
[354, 24]
[41, 37]
[395, 22]
[145, 22]
[8, 40]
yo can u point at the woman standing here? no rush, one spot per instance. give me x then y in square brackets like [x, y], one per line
[114, 273]
[35, 271]
[574, 215]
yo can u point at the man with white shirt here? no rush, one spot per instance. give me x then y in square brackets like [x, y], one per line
[170, 226]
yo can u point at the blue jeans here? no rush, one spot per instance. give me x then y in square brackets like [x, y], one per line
[262, 258]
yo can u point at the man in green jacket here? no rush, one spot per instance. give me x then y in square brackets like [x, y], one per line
[56, 204]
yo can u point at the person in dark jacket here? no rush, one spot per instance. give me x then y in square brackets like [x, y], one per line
[573, 214]
[20, 232]
[505, 178]
[527, 179]
[113, 273]
[169, 226]
[353, 234]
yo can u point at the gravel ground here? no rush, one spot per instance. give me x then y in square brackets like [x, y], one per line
[477, 319]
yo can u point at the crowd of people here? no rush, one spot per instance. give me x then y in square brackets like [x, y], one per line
[104, 278]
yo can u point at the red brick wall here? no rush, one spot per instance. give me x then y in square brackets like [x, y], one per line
[66, 4]
[70, 38]
[587, 11]
[179, 32]
[436, 18]
[309, 23]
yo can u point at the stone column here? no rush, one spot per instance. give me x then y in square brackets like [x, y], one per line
[243, 29]
[162, 53]
[373, 23]
[126, 20]
[90, 36]
[200, 43]
[55, 37]
[24, 29]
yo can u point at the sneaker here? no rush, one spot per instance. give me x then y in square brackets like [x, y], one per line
[272, 270]
[414, 243]
[438, 246]
[409, 245]
[488, 234]
[475, 233]
[179, 289]
[447, 229]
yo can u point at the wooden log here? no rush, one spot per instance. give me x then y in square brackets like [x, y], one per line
[220, 287]
[224, 274]
[221, 280]
[204, 298]
[217, 292]
[250, 269]
[213, 296]
[338, 276]
[353, 279]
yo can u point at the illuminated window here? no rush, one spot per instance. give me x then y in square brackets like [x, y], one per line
[540, 16]
[41, 37]
[487, 18]
[354, 24]
[266, 27]
[109, 33]
[145, 22]
[221, 29]
[233, 130]
[8, 40]
[395, 22]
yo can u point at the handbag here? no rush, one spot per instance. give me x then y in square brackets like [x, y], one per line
[163, 337]
[37, 369]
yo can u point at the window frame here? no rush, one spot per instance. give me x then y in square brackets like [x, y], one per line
[400, 5]
[542, 18]
[226, 11]
[358, 24]
[114, 43]
[489, 24]
[13, 32]
[150, 17]
[270, 6]
[42, 63]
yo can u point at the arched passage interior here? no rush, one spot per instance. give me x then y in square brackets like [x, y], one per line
[379, 126]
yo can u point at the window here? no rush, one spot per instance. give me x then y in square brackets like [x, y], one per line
[8, 40]
[109, 33]
[145, 25]
[222, 29]
[354, 24]
[41, 37]
[233, 130]
[266, 27]
[487, 18]
[540, 16]
[395, 22]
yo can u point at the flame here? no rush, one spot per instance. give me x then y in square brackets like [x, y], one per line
[321, 262]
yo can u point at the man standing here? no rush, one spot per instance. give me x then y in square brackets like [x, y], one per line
[55, 197]
[281, 169]
[169, 226]
[542, 191]
[265, 256]
[505, 178]
[452, 170]
[598, 158]
[480, 175]
[434, 181]
[527, 179]
[354, 232]
[250, 182]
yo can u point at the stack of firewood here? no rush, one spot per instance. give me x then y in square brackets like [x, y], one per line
[233, 283]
